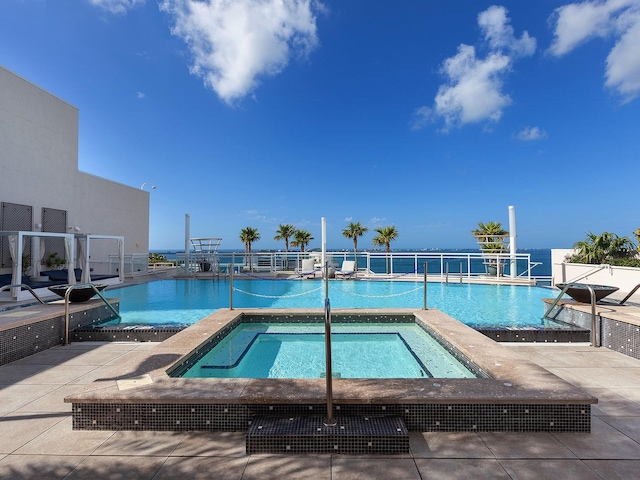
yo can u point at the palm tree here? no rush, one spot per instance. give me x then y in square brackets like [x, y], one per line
[384, 238]
[490, 237]
[354, 231]
[301, 238]
[283, 233]
[597, 249]
[249, 235]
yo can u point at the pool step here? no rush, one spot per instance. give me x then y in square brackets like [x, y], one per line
[308, 434]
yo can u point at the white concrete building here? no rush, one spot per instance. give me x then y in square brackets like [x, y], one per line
[41, 188]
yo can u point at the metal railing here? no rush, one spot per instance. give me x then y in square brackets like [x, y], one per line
[460, 264]
[589, 272]
[133, 264]
[633, 290]
[328, 369]
[67, 293]
[594, 321]
[592, 296]
[18, 285]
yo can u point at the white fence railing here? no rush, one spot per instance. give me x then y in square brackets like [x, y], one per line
[457, 264]
[134, 264]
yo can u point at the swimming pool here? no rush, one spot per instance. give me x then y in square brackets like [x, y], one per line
[184, 302]
[297, 350]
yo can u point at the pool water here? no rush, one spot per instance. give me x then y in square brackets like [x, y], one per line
[359, 350]
[180, 302]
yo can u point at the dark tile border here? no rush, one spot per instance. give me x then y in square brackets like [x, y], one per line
[576, 335]
[310, 434]
[125, 334]
[27, 338]
[445, 417]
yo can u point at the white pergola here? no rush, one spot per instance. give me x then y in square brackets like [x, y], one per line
[17, 243]
[84, 253]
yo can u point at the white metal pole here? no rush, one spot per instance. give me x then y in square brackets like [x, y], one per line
[324, 245]
[512, 240]
[187, 237]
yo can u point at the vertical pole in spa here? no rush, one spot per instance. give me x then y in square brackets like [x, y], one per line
[512, 242]
[327, 328]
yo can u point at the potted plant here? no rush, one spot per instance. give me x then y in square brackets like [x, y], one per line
[26, 265]
[54, 261]
[493, 241]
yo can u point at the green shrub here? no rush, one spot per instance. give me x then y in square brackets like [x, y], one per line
[625, 262]
[157, 257]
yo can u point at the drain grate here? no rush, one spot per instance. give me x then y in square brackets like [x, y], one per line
[308, 434]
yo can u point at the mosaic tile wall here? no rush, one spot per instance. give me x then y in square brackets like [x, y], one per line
[417, 417]
[613, 334]
[24, 340]
[309, 434]
[542, 336]
[124, 334]
[621, 337]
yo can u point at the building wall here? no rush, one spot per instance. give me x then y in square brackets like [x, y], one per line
[39, 167]
[625, 278]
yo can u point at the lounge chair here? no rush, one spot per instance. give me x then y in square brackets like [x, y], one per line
[348, 269]
[307, 269]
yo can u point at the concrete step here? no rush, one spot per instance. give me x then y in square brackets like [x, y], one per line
[309, 434]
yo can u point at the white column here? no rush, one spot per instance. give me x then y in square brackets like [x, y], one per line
[187, 241]
[324, 243]
[512, 240]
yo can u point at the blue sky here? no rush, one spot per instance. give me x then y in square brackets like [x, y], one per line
[427, 115]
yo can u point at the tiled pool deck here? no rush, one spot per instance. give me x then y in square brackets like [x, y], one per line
[36, 439]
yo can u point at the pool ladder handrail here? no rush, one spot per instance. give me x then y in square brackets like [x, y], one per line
[592, 294]
[18, 285]
[633, 290]
[67, 293]
[329, 369]
[590, 272]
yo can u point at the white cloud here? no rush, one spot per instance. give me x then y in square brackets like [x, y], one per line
[474, 88]
[474, 91]
[577, 23]
[623, 63]
[531, 133]
[376, 221]
[421, 118]
[494, 23]
[116, 6]
[234, 42]
[140, 95]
